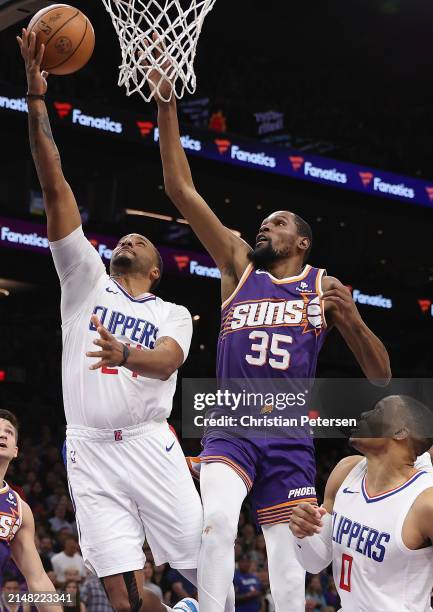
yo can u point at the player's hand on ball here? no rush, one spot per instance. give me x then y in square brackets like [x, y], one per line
[111, 353]
[156, 81]
[306, 520]
[36, 79]
[339, 302]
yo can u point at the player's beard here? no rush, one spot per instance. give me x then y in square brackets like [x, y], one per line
[263, 257]
[121, 264]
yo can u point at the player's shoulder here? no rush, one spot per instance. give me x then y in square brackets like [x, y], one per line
[424, 462]
[172, 310]
[422, 507]
[331, 282]
[341, 471]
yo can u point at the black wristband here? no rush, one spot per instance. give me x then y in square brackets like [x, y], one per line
[126, 353]
[30, 96]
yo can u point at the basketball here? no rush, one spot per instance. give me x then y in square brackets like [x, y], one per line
[68, 37]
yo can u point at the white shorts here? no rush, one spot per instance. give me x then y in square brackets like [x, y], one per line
[127, 486]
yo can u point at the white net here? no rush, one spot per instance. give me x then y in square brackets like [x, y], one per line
[178, 29]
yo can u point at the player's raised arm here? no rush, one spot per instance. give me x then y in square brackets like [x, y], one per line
[27, 558]
[367, 348]
[228, 250]
[61, 208]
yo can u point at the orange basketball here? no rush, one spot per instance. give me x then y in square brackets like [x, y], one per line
[68, 37]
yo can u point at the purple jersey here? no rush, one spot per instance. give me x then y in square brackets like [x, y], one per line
[10, 521]
[272, 328]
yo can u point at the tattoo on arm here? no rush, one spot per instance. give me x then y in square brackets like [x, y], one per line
[42, 145]
[162, 340]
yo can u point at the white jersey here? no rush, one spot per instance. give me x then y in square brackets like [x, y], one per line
[372, 567]
[110, 398]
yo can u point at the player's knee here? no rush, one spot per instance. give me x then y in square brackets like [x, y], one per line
[219, 524]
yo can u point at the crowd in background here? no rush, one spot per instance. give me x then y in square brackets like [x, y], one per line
[39, 476]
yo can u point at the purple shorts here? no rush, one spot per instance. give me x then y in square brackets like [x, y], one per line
[278, 473]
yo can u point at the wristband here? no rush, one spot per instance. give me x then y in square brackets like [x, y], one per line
[126, 353]
[30, 96]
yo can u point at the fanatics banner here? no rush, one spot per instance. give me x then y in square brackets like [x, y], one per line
[230, 149]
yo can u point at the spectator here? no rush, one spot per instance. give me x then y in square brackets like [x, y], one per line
[94, 596]
[46, 548]
[11, 587]
[179, 587]
[249, 536]
[61, 536]
[58, 492]
[148, 580]
[331, 594]
[239, 549]
[76, 605]
[248, 588]
[59, 521]
[70, 558]
[259, 553]
[72, 573]
[30, 480]
[314, 592]
[268, 602]
[159, 575]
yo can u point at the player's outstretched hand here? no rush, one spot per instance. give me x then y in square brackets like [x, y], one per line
[159, 84]
[306, 520]
[344, 310]
[36, 79]
[111, 353]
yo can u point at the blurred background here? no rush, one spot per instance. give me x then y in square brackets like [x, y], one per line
[346, 81]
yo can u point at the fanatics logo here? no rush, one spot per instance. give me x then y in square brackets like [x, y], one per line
[145, 127]
[182, 261]
[118, 435]
[366, 178]
[297, 162]
[63, 109]
[222, 145]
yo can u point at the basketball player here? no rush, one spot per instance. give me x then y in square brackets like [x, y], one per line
[17, 526]
[376, 522]
[256, 343]
[127, 472]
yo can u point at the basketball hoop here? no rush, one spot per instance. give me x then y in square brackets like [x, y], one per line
[178, 30]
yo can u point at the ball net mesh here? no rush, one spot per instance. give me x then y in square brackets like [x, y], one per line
[178, 25]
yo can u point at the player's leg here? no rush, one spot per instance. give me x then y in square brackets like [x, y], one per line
[110, 531]
[191, 575]
[286, 476]
[126, 593]
[286, 576]
[223, 492]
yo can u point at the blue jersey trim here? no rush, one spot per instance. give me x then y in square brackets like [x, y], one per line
[142, 300]
[371, 500]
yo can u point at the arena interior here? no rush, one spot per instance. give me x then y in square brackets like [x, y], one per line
[341, 93]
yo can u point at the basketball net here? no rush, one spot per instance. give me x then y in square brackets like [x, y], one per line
[178, 32]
